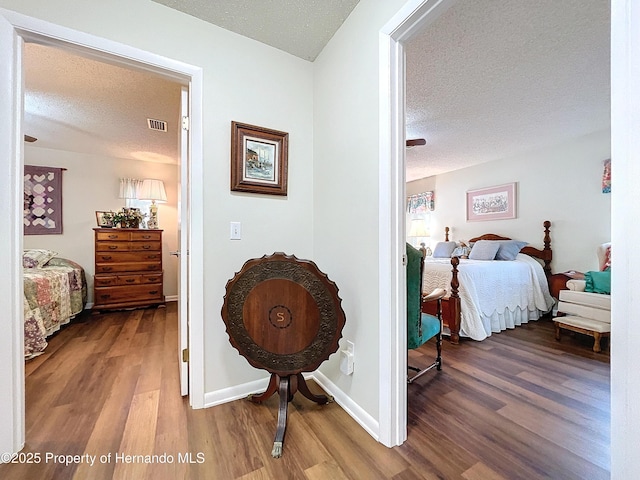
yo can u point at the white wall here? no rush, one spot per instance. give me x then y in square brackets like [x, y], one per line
[560, 183]
[345, 174]
[91, 183]
[343, 177]
[244, 81]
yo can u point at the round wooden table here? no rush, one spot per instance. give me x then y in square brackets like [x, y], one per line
[284, 316]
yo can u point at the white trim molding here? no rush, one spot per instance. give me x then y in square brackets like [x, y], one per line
[27, 28]
[625, 198]
[411, 19]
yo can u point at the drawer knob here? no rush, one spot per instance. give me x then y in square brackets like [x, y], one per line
[106, 257]
[105, 297]
[153, 292]
[146, 247]
[113, 247]
[107, 269]
[113, 236]
[146, 236]
[130, 280]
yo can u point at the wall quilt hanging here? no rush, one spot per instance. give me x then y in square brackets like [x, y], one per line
[42, 200]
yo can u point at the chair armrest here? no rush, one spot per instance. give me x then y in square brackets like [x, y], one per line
[576, 285]
[437, 294]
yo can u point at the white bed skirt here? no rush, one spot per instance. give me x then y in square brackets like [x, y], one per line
[507, 319]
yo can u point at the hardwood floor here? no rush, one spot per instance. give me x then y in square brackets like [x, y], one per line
[518, 405]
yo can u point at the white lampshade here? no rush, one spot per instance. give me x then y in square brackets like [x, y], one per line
[418, 228]
[152, 189]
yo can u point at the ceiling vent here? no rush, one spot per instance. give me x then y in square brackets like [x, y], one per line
[159, 125]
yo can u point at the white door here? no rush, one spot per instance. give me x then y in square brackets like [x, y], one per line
[183, 243]
[11, 320]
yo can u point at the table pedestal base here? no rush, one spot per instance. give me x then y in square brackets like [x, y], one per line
[286, 386]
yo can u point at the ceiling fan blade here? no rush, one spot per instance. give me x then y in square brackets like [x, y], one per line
[29, 138]
[416, 142]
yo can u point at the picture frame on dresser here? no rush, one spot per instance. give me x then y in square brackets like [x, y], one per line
[128, 268]
[104, 219]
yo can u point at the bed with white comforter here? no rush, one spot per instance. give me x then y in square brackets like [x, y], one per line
[494, 294]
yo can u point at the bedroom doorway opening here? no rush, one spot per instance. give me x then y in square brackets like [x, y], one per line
[110, 73]
[409, 22]
[21, 29]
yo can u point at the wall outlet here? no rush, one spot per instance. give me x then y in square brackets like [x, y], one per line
[346, 362]
[346, 358]
[350, 347]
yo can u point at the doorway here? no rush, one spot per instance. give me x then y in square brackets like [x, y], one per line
[17, 29]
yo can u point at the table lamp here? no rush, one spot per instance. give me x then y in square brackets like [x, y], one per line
[418, 229]
[152, 189]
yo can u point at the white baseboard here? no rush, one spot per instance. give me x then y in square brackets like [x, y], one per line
[230, 394]
[355, 411]
[366, 421]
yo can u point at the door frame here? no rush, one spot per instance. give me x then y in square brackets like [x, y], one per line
[411, 19]
[36, 30]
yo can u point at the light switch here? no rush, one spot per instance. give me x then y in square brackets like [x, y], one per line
[236, 231]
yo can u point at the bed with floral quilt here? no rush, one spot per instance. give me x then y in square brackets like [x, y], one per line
[55, 291]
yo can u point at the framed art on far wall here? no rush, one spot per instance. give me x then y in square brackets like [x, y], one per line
[492, 203]
[258, 159]
[42, 213]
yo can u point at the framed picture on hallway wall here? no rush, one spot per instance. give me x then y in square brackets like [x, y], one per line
[258, 159]
[492, 203]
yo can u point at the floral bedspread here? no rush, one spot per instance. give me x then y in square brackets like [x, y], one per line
[53, 295]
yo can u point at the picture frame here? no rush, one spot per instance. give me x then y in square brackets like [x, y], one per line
[259, 159]
[492, 203]
[104, 219]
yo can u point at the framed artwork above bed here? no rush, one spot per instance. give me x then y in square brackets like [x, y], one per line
[492, 203]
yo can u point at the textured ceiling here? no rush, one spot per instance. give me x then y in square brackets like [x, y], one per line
[83, 105]
[300, 27]
[488, 80]
[495, 78]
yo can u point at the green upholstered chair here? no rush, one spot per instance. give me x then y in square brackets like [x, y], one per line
[421, 327]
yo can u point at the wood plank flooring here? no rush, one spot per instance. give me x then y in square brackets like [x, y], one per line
[518, 405]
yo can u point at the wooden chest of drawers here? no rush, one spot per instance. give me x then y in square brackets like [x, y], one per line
[128, 268]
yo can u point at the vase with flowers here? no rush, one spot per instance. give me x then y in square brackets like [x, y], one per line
[127, 217]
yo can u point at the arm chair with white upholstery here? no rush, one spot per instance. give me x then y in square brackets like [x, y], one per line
[586, 306]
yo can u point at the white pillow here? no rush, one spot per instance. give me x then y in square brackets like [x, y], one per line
[484, 250]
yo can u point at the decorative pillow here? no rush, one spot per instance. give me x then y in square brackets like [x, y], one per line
[462, 251]
[509, 249]
[607, 259]
[444, 249]
[37, 258]
[484, 250]
[598, 282]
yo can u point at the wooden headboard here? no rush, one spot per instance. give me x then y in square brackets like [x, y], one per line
[546, 254]
[453, 305]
